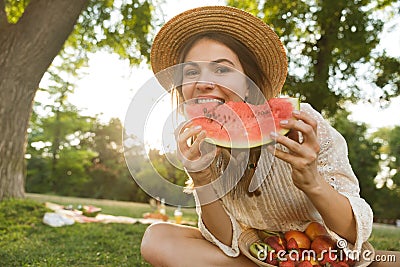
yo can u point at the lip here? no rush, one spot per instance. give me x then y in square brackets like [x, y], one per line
[210, 97]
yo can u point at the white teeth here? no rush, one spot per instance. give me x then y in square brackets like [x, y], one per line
[208, 100]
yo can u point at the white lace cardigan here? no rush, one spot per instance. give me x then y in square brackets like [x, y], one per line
[281, 206]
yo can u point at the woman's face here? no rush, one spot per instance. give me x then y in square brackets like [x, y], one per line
[212, 70]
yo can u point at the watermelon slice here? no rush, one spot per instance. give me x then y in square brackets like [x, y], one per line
[240, 124]
[90, 211]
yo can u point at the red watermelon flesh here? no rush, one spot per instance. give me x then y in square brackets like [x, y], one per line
[240, 124]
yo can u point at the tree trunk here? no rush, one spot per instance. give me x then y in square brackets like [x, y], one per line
[329, 28]
[26, 51]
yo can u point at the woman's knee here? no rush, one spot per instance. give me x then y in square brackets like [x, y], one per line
[154, 235]
[159, 241]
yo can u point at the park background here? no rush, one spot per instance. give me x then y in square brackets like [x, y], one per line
[68, 84]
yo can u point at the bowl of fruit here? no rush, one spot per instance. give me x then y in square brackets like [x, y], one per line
[309, 248]
[249, 242]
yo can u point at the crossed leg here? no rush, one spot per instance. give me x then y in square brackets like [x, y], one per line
[166, 244]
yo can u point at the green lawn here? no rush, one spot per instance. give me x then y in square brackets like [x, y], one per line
[385, 237]
[26, 241]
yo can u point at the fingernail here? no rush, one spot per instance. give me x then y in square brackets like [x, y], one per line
[274, 134]
[296, 112]
[197, 127]
[284, 122]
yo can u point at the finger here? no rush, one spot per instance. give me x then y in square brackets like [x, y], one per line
[298, 125]
[299, 149]
[306, 118]
[200, 163]
[194, 150]
[181, 127]
[184, 136]
[307, 131]
[292, 145]
[188, 132]
[295, 161]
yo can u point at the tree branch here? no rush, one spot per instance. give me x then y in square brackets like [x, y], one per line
[3, 15]
[43, 29]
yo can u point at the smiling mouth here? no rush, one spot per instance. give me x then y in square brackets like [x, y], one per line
[209, 100]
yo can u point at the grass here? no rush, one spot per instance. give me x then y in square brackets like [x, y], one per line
[26, 241]
[78, 245]
[385, 237]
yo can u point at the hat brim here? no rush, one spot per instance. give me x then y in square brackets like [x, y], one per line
[248, 29]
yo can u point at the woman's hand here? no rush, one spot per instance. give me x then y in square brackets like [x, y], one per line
[197, 156]
[303, 157]
[302, 154]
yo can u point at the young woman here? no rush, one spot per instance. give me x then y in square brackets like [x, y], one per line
[304, 179]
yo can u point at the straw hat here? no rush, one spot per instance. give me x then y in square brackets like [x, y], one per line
[248, 29]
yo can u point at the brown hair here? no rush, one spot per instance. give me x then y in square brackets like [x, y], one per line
[252, 70]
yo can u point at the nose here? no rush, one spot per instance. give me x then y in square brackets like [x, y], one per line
[205, 86]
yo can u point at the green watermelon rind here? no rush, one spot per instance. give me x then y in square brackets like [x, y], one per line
[249, 144]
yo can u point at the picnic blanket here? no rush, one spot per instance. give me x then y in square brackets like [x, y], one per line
[62, 217]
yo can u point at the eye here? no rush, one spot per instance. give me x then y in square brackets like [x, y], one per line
[190, 73]
[221, 69]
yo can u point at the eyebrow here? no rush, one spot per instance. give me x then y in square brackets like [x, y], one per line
[223, 60]
[217, 61]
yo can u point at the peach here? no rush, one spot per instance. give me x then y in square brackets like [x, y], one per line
[303, 241]
[322, 243]
[315, 229]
